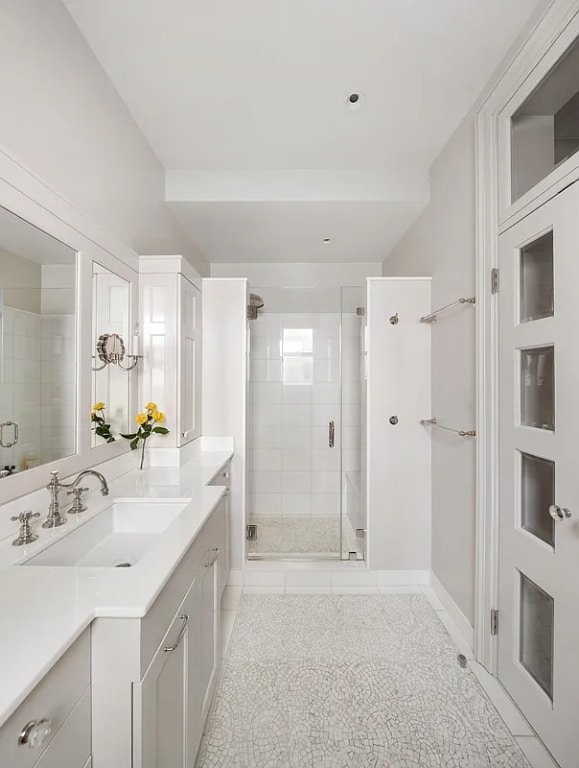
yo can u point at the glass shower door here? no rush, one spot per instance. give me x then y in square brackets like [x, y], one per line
[353, 420]
[295, 434]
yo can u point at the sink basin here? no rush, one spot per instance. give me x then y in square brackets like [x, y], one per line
[117, 537]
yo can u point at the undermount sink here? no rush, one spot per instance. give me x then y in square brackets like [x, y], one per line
[117, 537]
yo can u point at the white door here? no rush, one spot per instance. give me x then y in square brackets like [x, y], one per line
[539, 469]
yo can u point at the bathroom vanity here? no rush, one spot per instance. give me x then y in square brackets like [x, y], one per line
[116, 666]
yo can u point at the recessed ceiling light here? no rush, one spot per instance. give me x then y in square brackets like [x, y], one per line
[327, 240]
[354, 101]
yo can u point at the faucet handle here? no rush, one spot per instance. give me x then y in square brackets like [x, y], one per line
[25, 516]
[77, 505]
[76, 491]
[25, 535]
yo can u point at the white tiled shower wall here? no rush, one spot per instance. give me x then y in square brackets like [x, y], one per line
[296, 388]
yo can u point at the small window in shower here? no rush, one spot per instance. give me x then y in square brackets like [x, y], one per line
[298, 358]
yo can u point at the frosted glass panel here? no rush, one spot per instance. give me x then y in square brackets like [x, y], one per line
[537, 279]
[537, 494]
[536, 634]
[538, 387]
[545, 128]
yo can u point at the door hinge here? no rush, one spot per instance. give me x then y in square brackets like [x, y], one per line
[494, 280]
[494, 622]
[251, 532]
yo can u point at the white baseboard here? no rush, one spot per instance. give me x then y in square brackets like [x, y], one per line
[402, 578]
[324, 573]
[462, 624]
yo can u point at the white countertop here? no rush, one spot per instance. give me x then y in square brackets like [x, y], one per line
[43, 609]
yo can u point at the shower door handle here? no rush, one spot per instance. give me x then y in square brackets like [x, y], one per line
[331, 433]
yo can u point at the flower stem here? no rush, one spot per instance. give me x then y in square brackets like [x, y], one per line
[142, 454]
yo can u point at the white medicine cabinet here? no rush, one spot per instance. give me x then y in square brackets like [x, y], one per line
[171, 344]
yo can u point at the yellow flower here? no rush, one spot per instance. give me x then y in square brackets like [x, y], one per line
[151, 407]
[141, 418]
[158, 416]
[98, 406]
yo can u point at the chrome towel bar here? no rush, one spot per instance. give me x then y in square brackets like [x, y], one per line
[433, 316]
[459, 432]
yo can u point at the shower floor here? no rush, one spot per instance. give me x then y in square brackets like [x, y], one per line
[307, 535]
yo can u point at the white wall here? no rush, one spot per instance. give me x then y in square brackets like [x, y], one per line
[224, 390]
[398, 455]
[63, 120]
[298, 274]
[442, 243]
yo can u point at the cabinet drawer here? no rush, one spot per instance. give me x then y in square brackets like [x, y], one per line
[70, 747]
[55, 697]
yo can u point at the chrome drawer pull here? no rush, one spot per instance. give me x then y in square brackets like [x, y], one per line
[185, 619]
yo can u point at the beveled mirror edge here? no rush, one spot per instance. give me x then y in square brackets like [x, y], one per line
[26, 196]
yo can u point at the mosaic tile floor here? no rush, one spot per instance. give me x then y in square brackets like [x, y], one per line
[349, 681]
[300, 534]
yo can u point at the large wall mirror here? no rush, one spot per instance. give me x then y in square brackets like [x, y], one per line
[38, 346]
[111, 381]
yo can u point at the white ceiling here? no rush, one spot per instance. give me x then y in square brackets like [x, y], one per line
[262, 84]
[281, 232]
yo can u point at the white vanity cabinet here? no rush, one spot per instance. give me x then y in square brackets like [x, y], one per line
[154, 677]
[172, 700]
[62, 697]
[170, 373]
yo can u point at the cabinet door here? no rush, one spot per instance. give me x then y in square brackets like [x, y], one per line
[210, 621]
[195, 693]
[223, 478]
[160, 704]
[202, 604]
[189, 380]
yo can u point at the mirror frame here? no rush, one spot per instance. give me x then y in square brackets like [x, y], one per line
[25, 195]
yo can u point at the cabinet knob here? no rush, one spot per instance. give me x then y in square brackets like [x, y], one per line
[35, 733]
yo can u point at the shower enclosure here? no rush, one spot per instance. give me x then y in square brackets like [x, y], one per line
[306, 423]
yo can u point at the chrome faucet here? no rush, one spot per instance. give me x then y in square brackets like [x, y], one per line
[55, 517]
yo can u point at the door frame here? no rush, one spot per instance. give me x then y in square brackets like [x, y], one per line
[554, 25]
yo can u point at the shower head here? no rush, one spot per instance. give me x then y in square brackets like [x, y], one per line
[255, 301]
[255, 304]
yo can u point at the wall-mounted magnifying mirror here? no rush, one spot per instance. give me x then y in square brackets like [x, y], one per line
[37, 346]
[110, 327]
